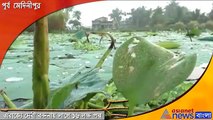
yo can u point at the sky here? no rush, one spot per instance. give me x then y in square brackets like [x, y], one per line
[93, 10]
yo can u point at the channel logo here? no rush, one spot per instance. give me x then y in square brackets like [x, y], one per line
[178, 114]
[185, 114]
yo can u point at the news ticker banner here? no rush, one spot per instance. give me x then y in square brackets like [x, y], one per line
[17, 15]
[51, 115]
[94, 115]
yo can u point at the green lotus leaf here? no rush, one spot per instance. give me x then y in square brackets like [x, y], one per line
[169, 44]
[143, 71]
[75, 88]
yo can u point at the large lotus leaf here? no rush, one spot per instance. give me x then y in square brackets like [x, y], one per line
[143, 71]
[59, 95]
[86, 81]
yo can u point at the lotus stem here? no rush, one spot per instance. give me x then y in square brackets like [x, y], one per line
[41, 65]
[112, 45]
[7, 100]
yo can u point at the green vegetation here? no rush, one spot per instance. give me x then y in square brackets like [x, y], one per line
[79, 45]
[75, 23]
[145, 77]
[193, 32]
[174, 17]
[169, 44]
[71, 91]
[209, 25]
[57, 21]
[61, 21]
[169, 96]
[7, 100]
[116, 16]
[138, 66]
[179, 26]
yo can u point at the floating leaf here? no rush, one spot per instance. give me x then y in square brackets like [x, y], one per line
[86, 81]
[86, 46]
[169, 44]
[208, 38]
[59, 95]
[143, 71]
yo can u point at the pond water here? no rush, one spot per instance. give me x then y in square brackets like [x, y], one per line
[16, 69]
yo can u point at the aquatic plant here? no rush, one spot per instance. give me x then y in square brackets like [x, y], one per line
[169, 44]
[41, 65]
[143, 71]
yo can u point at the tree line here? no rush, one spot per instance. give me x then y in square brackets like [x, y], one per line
[173, 16]
[63, 20]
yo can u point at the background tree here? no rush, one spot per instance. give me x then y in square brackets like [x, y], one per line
[157, 17]
[210, 15]
[183, 15]
[140, 17]
[179, 26]
[173, 17]
[68, 11]
[195, 14]
[209, 25]
[202, 18]
[171, 12]
[76, 15]
[75, 24]
[116, 16]
[57, 21]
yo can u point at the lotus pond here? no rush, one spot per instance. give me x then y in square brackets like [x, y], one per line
[68, 57]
